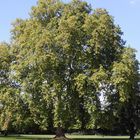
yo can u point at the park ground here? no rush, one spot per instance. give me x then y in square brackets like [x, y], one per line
[72, 137]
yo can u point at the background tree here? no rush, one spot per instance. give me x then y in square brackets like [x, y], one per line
[126, 79]
[5, 88]
[13, 109]
[7, 98]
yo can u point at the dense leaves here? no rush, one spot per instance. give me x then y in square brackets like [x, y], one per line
[70, 68]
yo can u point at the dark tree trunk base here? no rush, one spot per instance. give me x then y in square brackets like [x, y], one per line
[60, 135]
[132, 137]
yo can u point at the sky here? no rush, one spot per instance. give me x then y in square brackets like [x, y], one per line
[126, 14]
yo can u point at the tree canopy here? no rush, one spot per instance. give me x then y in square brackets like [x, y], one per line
[71, 67]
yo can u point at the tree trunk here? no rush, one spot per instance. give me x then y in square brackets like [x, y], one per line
[60, 135]
[5, 133]
[132, 135]
[60, 132]
[132, 131]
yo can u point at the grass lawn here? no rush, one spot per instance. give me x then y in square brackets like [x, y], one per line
[73, 137]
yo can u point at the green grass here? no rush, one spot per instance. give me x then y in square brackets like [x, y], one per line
[73, 137]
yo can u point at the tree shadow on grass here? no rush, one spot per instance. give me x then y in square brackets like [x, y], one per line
[103, 138]
[76, 138]
[31, 138]
[15, 137]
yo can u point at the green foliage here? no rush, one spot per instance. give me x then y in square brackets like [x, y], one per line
[63, 61]
[125, 74]
[5, 89]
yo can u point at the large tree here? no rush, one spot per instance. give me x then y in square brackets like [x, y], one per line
[66, 56]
